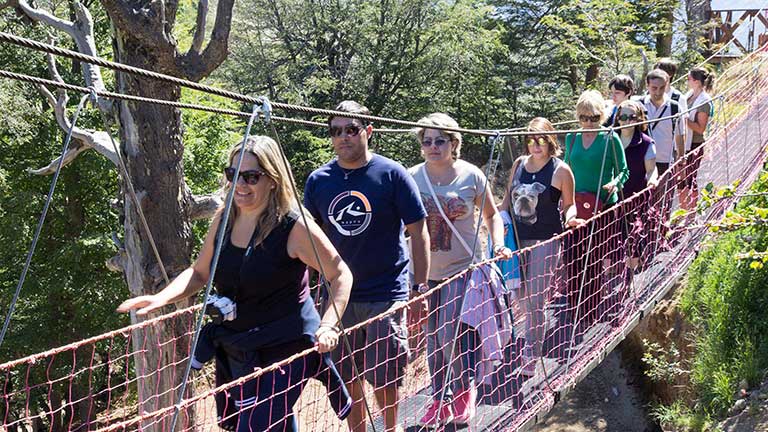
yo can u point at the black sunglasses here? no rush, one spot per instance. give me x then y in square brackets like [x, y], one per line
[349, 130]
[625, 117]
[251, 177]
[586, 118]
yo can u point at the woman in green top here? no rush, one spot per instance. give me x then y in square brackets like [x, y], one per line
[586, 151]
[599, 167]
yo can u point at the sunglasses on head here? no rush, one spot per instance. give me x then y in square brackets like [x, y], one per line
[625, 117]
[438, 142]
[586, 118]
[349, 130]
[250, 177]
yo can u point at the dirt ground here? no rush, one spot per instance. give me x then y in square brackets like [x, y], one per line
[754, 418]
[606, 401]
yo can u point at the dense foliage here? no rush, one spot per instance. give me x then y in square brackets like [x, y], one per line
[726, 298]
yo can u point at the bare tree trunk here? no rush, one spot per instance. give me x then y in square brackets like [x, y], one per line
[151, 138]
[664, 36]
[698, 13]
[591, 75]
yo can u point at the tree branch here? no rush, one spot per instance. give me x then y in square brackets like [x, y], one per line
[82, 139]
[204, 206]
[196, 66]
[47, 18]
[81, 31]
[70, 155]
[199, 37]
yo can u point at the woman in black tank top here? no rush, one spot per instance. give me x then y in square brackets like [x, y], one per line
[539, 193]
[263, 313]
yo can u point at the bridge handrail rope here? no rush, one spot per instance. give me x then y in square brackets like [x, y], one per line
[42, 81]
[740, 118]
[93, 92]
[39, 46]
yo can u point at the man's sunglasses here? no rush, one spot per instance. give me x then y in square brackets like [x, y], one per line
[251, 177]
[586, 118]
[349, 130]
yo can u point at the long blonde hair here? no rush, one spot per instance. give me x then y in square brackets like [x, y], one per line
[281, 199]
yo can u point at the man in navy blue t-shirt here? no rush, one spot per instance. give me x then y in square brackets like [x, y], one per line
[363, 201]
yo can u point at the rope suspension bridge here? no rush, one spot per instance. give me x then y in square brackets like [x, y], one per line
[102, 384]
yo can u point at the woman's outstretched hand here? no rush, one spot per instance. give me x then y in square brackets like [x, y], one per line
[142, 304]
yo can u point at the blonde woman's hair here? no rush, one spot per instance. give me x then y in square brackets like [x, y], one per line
[591, 102]
[281, 199]
[442, 120]
[540, 124]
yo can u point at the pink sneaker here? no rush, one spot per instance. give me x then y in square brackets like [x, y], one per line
[465, 406]
[433, 419]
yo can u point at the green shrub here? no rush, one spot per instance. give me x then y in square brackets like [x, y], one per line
[726, 298]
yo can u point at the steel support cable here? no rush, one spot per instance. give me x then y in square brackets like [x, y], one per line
[182, 105]
[42, 81]
[74, 55]
[620, 207]
[38, 46]
[41, 220]
[326, 284]
[220, 234]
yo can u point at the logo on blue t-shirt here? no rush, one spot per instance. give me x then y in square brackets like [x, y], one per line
[350, 213]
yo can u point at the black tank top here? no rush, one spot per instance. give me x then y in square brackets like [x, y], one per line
[263, 280]
[547, 221]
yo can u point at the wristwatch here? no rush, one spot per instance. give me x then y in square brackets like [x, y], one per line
[421, 288]
[497, 248]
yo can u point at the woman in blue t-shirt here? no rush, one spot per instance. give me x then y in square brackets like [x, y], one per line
[262, 305]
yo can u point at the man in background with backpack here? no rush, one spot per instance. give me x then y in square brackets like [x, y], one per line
[670, 67]
[669, 134]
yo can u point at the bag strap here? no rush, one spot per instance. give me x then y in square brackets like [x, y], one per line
[442, 213]
[653, 126]
[570, 151]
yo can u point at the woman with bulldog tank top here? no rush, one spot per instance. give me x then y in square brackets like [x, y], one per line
[540, 189]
